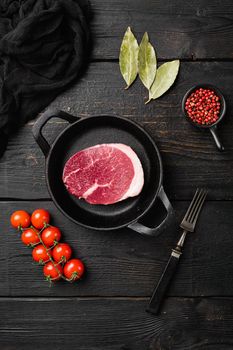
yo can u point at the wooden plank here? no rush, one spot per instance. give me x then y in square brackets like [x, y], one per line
[195, 324]
[178, 29]
[115, 324]
[124, 263]
[190, 157]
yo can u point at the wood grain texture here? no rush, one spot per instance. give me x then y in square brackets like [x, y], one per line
[124, 263]
[189, 155]
[106, 310]
[178, 29]
[115, 324]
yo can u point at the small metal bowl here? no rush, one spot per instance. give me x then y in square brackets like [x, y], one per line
[212, 127]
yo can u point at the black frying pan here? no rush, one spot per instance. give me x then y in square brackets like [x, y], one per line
[86, 132]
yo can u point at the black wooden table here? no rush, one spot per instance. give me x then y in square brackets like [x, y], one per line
[107, 309]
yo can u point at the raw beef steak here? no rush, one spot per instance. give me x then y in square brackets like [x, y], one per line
[104, 174]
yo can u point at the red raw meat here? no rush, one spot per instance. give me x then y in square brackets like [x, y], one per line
[104, 174]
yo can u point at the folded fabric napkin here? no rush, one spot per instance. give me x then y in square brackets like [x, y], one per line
[42, 48]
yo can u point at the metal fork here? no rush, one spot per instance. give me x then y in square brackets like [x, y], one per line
[188, 225]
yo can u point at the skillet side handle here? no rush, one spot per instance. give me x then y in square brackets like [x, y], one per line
[42, 120]
[155, 231]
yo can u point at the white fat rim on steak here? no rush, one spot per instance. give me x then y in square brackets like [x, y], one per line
[138, 179]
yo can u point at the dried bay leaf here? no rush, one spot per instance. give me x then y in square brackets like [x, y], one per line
[147, 63]
[128, 59]
[164, 79]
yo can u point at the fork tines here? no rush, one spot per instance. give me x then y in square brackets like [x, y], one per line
[194, 209]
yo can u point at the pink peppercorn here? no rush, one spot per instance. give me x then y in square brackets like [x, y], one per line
[203, 106]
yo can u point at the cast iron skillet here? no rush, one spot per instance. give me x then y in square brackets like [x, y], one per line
[85, 132]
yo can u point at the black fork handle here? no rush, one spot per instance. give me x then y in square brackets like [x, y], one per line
[164, 281]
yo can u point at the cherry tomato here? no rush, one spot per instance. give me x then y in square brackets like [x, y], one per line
[62, 252]
[40, 254]
[50, 271]
[20, 218]
[74, 269]
[39, 218]
[51, 235]
[30, 236]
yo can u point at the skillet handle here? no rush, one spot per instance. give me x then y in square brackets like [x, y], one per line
[42, 120]
[155, 231]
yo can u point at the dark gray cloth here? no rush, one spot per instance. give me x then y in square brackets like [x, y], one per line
[42, 48]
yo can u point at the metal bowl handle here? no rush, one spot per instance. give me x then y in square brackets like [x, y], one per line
[155, 231]
[42, 120]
